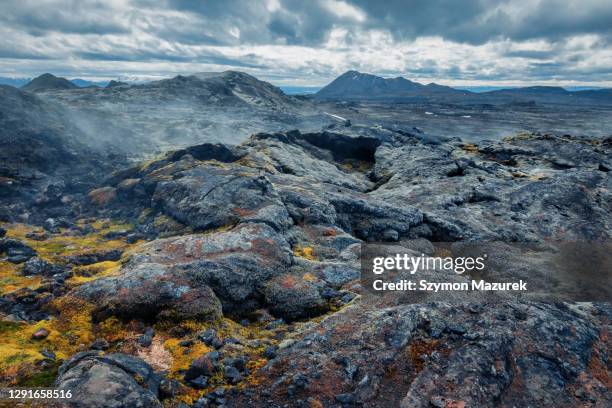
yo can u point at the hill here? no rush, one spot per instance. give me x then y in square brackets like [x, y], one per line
[357, 85]
[48, 82]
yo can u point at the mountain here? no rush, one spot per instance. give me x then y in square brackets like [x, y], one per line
[114, 83]
[353, 85]
[16, 82]
[357, 85]
[175, 112]
[84, 83]
[219, 88]
[48, 82]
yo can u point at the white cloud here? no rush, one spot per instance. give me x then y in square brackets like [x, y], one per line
[344, 10]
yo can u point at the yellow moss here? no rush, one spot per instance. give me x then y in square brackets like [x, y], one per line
[68, 333]
[538, 177]
[95, 271]
[309, 277]
[11, 280]
[470, 147]
[304, 252]
[183, 356]
[112, 329]
[253, 378]
[59, 246]
[74, 321]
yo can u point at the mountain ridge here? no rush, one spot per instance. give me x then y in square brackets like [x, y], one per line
[355, 85]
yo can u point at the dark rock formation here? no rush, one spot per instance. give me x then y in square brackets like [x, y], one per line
[119, 380]
[277, 224]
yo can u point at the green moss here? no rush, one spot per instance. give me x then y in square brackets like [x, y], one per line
[44, 378]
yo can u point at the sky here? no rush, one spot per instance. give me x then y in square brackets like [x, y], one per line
[310, 42]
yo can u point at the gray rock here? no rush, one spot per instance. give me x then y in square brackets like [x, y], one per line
[292, 297]
[232, 375]
[150, 291]
[16, 251]
[38, 266]
[206, 365]
[119, 381]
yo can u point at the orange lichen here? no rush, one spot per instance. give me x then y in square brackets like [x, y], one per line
[419, 348]
[288, 282]
[329, 232]
[103, 196]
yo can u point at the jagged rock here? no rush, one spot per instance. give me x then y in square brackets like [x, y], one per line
[232, 375]
[401, 364]
[99, 344]
[206, 365]
[174, 276]
[38, 266]
[16, 251]
[119, 380]
[505, 189]
[208, 197]
[278, 222]
[292, 297]
[146, 338]
[210, 338]
[151, 291]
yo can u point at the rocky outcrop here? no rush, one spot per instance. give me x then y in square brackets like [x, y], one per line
[108, 381]
[191, 276]
[274, 228]
[510, 354]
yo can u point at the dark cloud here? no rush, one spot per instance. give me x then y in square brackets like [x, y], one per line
[471, 21]
[331, 35]
[214, 22]
[68, 16]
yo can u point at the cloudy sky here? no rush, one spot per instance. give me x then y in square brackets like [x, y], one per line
[309, 42]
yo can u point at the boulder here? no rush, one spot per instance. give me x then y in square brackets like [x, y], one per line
[38, 266]
[103, 196]
[16, 251]
[108, 381]
[151, 291]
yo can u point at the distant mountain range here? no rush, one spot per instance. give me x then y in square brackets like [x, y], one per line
[357, 86]
[144, 118]
[80, 83]
[351, 86]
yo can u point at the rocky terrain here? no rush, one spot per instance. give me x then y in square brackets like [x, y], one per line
[229, 275]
